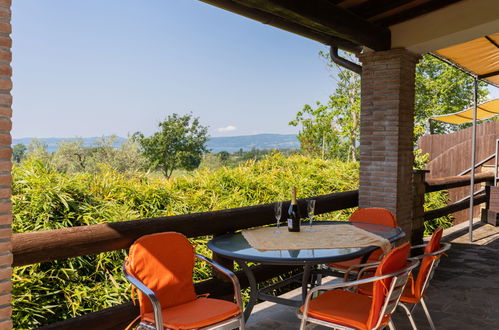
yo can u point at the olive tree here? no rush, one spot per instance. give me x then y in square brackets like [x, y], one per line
[179, 144]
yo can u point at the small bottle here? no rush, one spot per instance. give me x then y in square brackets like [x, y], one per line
[293, 214]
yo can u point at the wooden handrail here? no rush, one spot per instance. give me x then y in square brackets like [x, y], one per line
[455, 181]
[57, 244]
[459, 206]
[118, 317]
[479, 164]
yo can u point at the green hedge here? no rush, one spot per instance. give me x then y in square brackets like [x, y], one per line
[46, 199]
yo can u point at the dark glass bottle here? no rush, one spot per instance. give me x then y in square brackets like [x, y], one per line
[293, 213]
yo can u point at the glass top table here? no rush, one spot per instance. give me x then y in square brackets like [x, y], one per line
[235, 247]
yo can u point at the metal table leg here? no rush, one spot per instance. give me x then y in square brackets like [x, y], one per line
[253, 288]
[304, 284]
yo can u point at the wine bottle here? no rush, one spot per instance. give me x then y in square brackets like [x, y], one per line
[293, 214]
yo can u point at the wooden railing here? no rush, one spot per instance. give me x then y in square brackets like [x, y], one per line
[57, 244]
[42, 246]
[49, 245]
[455, 182]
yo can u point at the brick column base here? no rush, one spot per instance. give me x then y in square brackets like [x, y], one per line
[386, 133]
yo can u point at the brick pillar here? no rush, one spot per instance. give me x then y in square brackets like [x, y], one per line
[5, 166]
[386, 133]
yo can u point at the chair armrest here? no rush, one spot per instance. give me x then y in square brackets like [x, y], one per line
[362, 266]
[156, 306]
[333, 286]
[229, 274]
[445, 246]
[340, 285]
[365, 269]
[349, 284]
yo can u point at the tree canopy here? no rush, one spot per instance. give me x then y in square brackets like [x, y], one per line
[332, 129]
[179, 144]
[441, 89]
[74, 156]
[18, 151]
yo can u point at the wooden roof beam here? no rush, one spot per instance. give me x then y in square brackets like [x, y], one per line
[281, 23]
[325, 17]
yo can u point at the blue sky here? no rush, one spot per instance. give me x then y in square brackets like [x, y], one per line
[93, 68]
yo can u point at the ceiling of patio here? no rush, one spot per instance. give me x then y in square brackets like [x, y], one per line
[418, 25]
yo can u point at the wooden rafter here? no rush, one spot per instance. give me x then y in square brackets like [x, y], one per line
[370, 9]
[325, 17]
[346, 24]
[401, 16]
[279, 22]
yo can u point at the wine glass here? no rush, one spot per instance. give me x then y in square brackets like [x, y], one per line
[277, 211]
[310, 212]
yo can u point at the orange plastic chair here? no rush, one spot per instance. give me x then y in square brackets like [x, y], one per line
[343, 309]
[376, 215]
[414, 291]
[160, 266]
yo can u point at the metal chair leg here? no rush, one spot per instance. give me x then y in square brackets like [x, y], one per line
[303, 323]
[409, 315]
[427, 312]
[414, 307]
[241, 323]
[391, 326]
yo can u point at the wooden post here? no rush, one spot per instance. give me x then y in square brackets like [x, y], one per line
[484, 211]
[490, 214]
[418, 192]
[488, 185]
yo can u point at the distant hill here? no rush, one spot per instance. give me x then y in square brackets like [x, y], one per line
[258, 141]
[215, 144]
[53, 143]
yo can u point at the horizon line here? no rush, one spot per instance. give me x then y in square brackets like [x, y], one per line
[105, 136]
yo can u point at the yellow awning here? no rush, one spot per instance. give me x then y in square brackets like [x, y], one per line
[484, 111]
[479, 56]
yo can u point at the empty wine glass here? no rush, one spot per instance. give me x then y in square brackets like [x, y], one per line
[310, 212]
[277, 211]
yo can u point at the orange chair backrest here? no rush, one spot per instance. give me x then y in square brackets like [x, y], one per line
[375, 215]
[424, 270]
[394, 261]
[164, 263]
